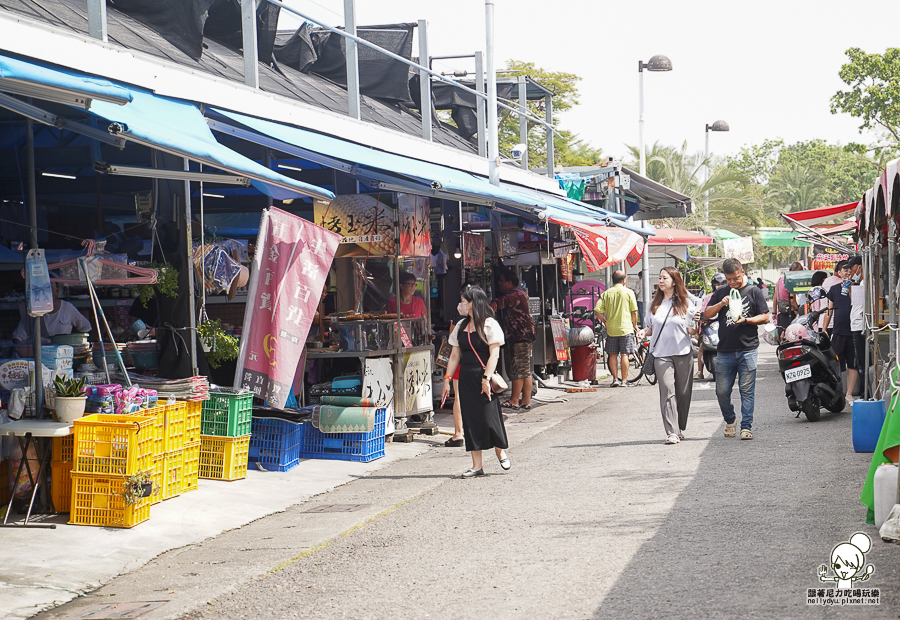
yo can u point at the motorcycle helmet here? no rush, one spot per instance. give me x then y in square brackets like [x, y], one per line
[795, 332]
[815, 294]
[718, 280]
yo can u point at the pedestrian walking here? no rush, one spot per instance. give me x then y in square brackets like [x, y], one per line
[518, 329]
[839, 308]
[858, 321]
[457, 439]
[738, 344]
[617, 309]
[476, 342]
[670, 325]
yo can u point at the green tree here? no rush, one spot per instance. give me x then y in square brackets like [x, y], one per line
[795, 187]
[874, 93]
[568, 149]
[725, 189]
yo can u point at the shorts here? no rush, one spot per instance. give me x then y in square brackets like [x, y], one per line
[620, 345]
[518, 360]
[859, 344]
[846, 352]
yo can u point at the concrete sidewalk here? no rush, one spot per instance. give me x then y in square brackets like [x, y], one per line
[45, 568]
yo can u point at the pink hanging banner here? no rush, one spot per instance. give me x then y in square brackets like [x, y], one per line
[290, 265]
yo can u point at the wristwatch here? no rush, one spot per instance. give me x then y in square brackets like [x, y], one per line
[484, 377]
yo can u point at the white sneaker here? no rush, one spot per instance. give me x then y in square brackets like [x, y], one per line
[615, 383]
[672, 439]
[680, 436]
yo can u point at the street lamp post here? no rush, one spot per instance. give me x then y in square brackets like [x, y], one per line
[657, 63]
[717, 126]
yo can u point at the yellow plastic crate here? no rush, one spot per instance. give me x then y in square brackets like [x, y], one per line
[191, 467]
[193, 411]
[63, 448]
[169, 429]
[113, 444]
[157, 478]
[173, 474]
[224, 458]
[61, 485]
[98, 500]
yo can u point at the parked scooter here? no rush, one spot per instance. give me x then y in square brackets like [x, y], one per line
[810, 369]
[709, 336]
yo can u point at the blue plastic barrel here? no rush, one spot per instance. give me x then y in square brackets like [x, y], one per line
[868, 417]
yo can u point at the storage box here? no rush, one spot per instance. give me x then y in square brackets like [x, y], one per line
[61, 485]
[191, 467]
[363, 447]
[275, 444]
[227, 415]
[193, 413]
[169, 434]
[224, 458]
[99, 500]
[114, 444]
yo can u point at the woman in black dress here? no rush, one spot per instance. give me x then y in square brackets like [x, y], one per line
[476, 342]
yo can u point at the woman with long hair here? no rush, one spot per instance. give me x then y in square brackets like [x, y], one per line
[476, 342]
[670, 324]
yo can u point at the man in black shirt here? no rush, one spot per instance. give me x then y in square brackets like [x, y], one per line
[842, 335]
[738, 344]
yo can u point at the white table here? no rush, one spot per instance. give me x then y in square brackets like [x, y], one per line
[38, 432]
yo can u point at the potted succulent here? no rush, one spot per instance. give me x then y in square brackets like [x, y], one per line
[69, 399]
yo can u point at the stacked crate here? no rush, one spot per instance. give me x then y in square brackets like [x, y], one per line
[61, 472]
[193, 413]
[225, 435]
[108, 449]
[170, 435]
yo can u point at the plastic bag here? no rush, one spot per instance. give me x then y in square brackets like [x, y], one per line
[22, 486]
[735, 304]
[890, 529]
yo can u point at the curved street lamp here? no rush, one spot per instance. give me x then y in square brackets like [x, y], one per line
[717, 126]
[657, 63]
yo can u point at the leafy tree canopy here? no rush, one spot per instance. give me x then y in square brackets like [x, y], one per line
[874, 93]
[568, 149]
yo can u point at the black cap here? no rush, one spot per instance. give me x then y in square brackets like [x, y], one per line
[856, 260]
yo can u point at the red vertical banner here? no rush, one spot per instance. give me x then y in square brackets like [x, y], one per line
[290, 266]
[636, 252]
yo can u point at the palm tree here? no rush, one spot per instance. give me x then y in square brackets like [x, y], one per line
[795, 188]
[730, 206]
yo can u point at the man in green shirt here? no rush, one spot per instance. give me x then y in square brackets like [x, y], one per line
[617, 309]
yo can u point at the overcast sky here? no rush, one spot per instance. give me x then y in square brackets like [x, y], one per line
[767, 68]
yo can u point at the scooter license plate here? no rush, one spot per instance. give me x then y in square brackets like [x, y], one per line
[795, 374]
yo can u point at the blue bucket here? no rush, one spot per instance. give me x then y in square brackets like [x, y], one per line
[868, 418]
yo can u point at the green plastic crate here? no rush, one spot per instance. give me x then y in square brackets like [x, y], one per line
[227, 415]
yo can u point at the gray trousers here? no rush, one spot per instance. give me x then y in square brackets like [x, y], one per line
[676, 383]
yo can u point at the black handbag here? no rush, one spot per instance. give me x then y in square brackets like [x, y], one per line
[648, 368]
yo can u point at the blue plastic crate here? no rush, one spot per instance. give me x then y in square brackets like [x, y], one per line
[364, 447]
[275, 444]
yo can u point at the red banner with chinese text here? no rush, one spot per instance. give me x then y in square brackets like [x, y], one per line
[290, 265]
[593, 247]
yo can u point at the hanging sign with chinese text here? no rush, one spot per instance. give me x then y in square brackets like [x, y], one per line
[636, 252]
[415, 225]
[366, 226]
[593, 247]
[289, 269]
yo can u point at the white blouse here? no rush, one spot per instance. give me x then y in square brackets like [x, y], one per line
[492, 331]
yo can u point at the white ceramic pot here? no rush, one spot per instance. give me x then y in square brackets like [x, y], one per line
[70, 408]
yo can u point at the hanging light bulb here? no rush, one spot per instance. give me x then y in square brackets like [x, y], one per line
[457, 253]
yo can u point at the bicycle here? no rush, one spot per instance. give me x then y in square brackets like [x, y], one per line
[636, 364]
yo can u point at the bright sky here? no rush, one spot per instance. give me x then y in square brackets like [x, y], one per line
[768, 68]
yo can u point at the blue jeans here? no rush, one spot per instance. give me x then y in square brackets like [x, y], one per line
[740, 365]
[640, 306]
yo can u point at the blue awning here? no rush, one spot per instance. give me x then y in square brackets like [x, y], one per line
[585, 216]
[178, 127]
[50, 84]
[394, 170]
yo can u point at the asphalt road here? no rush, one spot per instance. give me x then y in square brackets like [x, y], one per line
[599, 519]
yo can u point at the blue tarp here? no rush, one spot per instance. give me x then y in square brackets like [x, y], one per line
[578, 215]
[35, 73]
[179, 128]
[450, 179]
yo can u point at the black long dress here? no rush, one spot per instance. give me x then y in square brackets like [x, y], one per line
[482, 423]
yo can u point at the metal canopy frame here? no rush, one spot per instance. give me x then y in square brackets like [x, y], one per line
[53, 120]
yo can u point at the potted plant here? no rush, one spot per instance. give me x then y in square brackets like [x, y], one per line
[137, 486]
[218, 344]
[69, 399]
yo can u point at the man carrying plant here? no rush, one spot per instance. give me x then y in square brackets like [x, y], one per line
[740, 308]
[617, 309]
